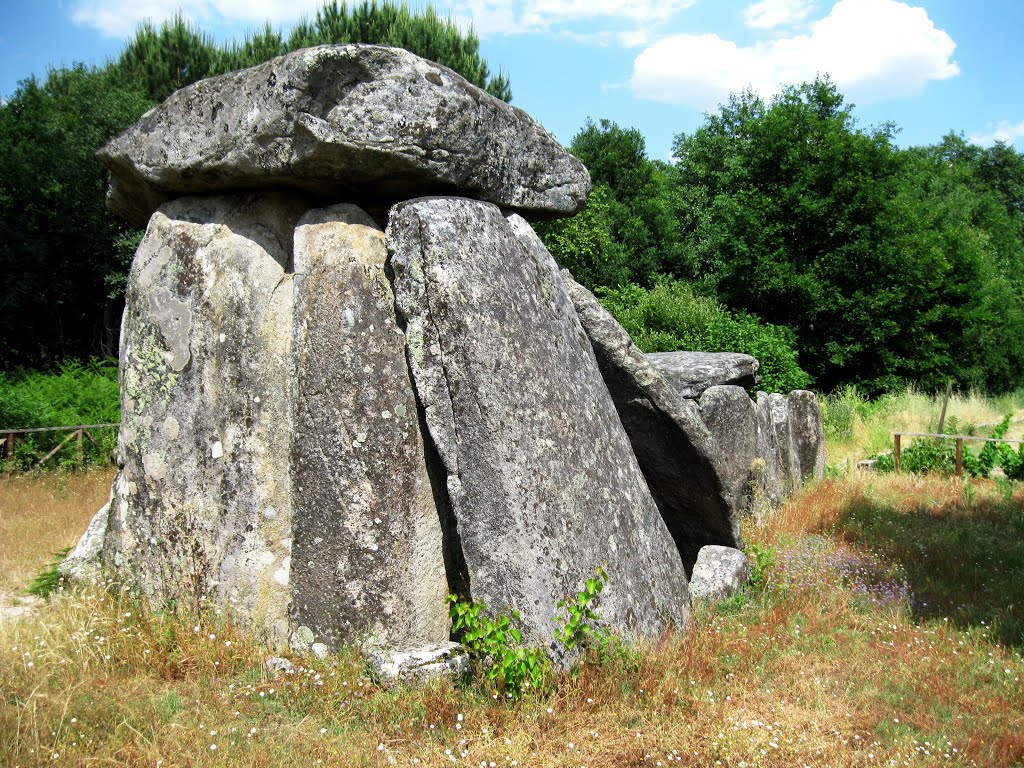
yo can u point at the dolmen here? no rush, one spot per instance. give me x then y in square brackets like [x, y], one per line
[354, 381]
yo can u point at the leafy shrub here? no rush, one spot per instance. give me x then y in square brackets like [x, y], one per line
[72, 394]
[670, 317]
[496, 647]
[927, 454]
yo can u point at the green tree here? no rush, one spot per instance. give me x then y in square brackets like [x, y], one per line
[58, 244]
[798, 216]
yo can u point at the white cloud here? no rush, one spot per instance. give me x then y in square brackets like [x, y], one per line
[119, 18]
[769, 14]
[872, 50]
[1004, 131]
[520, 16]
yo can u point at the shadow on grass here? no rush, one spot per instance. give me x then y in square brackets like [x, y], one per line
[962, 561]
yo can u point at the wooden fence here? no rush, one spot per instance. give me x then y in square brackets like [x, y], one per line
[11, 436]
[959, 446]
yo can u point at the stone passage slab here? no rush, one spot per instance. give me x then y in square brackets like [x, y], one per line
[358, 123]
[541, 477]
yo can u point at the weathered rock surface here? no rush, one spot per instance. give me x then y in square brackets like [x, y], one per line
[720, 572]
[775, 447]
[807, 435]
[729, 415]
[84, 560]
[541, 477]
[272, 456]
[441, 660]
[202, 507]
[352, 123]
[686, 470]
[693, 372]
[366, 538]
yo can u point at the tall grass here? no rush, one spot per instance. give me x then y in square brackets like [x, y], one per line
[832, 660]
[856, 428]
[72, 394]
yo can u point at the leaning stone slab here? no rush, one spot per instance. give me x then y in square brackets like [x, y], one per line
[720, 572]
[807, 435]
[202, 507]
[84, 561]
[541, 477]
[730, 416]
[693, 372]
[353, 123]
[686, 470]
[367, 559]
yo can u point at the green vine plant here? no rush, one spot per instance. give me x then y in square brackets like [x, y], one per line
[495, 645]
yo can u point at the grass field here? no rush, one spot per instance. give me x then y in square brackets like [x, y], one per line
[886, 629]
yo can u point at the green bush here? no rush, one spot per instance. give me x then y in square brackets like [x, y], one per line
[670, 317]
[73, 393]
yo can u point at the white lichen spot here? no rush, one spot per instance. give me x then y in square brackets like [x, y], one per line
[171, 428]
[400, 410]
[216, 450]
[266, 558]
[256, 399]
[223, 338]
[385, 414]
[269, 513]
[281, 574]
[155, 466]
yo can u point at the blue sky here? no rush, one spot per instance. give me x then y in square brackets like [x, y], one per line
[929, 66]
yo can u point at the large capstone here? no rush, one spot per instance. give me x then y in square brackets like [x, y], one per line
[357, 123]
[689, 474]
[541, 477]
[366, 547]
[693, 372]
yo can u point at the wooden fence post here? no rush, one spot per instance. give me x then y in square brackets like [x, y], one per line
[896, 451]
[10, 445]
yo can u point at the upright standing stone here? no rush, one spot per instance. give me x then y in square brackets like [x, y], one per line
[541, 476]
[203, 503]
[367, 563]
[772, 479]
[807, 435]
[729, 414]
[685, 468]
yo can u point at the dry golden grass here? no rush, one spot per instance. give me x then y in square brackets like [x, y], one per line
[797, 674]
[40, 514]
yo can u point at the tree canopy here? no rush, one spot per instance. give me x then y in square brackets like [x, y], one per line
[887, 265]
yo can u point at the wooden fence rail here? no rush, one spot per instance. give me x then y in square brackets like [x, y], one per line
[959, 446]
[10, 436]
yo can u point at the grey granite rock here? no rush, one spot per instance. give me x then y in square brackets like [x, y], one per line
[686, 470]
[202, 507]
[85, 560]
[730, 416]
[366, 537]
[353, 123]
[541, 478]
[693, 372]
[720, 572]
[446, 659]
[807, 435]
